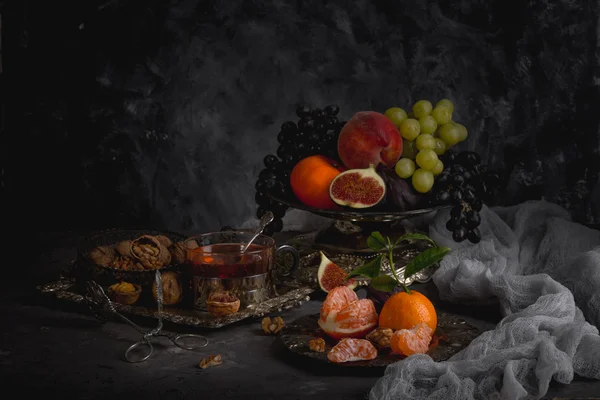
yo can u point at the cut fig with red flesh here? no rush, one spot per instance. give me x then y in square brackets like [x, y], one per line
[358, 188]
[331, 275]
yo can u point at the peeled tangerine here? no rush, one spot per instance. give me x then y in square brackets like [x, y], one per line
[330, 275]
[343, 315]
[358, 188]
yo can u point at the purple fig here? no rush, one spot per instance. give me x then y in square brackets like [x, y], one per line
[399, 192]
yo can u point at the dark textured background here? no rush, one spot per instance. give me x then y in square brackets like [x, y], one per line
[158, 113]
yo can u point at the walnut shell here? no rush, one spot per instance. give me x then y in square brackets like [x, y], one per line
[222, 303]
[102, 255]
[150, 252]
[178, 253]
[172, 288]
[124, 248]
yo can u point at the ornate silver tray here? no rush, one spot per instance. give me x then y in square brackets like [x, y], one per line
[292, 292]
[452, 335]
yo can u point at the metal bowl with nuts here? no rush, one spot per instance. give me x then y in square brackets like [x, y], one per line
[127, 255]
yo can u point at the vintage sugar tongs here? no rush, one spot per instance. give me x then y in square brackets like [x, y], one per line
[103, 307]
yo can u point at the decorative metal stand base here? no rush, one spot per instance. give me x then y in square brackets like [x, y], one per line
[351, 237]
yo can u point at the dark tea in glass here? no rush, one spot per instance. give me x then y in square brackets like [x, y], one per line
[225, 261]
[215, 261]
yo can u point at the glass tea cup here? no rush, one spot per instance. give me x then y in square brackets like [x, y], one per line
[215, 262]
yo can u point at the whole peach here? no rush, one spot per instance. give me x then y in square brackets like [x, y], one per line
[369, 138]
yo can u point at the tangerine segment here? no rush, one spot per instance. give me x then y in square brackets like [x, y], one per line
[357, 314]
[404, 311]
[337, 298]
[412, 341]
[352, 350]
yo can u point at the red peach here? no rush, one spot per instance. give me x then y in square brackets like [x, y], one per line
[369, 138]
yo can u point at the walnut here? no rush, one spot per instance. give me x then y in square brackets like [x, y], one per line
[222, 303]
[165, 241]
[178, 253]
[317, 344]
[211, 361]
[272, 326]
[380, 337]
[124, 248]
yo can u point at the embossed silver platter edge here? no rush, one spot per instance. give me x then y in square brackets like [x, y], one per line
[65, 289]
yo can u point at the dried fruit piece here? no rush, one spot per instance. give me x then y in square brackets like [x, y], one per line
[317, 345]
[272, 326]
[343, 315]
[330, 275]
[124, 293]
[172, 289]
[222, 303]
[352, 350]
[380, 337]
[412, 341]
[358, 188]
[211, 361]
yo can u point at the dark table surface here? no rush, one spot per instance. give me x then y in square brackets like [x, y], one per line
[51, 349]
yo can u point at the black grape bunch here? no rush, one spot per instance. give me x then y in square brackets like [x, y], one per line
[315, 132]
[467, 185]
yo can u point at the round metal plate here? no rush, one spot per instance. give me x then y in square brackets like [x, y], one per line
[453, 334]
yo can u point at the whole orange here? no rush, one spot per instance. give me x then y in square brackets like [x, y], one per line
[310, 180]
[405, 311]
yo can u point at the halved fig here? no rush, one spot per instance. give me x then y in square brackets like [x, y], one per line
[358, 188]
[331, 275]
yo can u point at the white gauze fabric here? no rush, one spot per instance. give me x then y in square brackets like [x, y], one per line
[545, 272]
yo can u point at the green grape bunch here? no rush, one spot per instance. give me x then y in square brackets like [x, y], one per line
[427, 132]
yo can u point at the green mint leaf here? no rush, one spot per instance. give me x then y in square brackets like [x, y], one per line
[376, 241]
[425, 259]
[384, 283]
[415, 236]
[370, 269]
